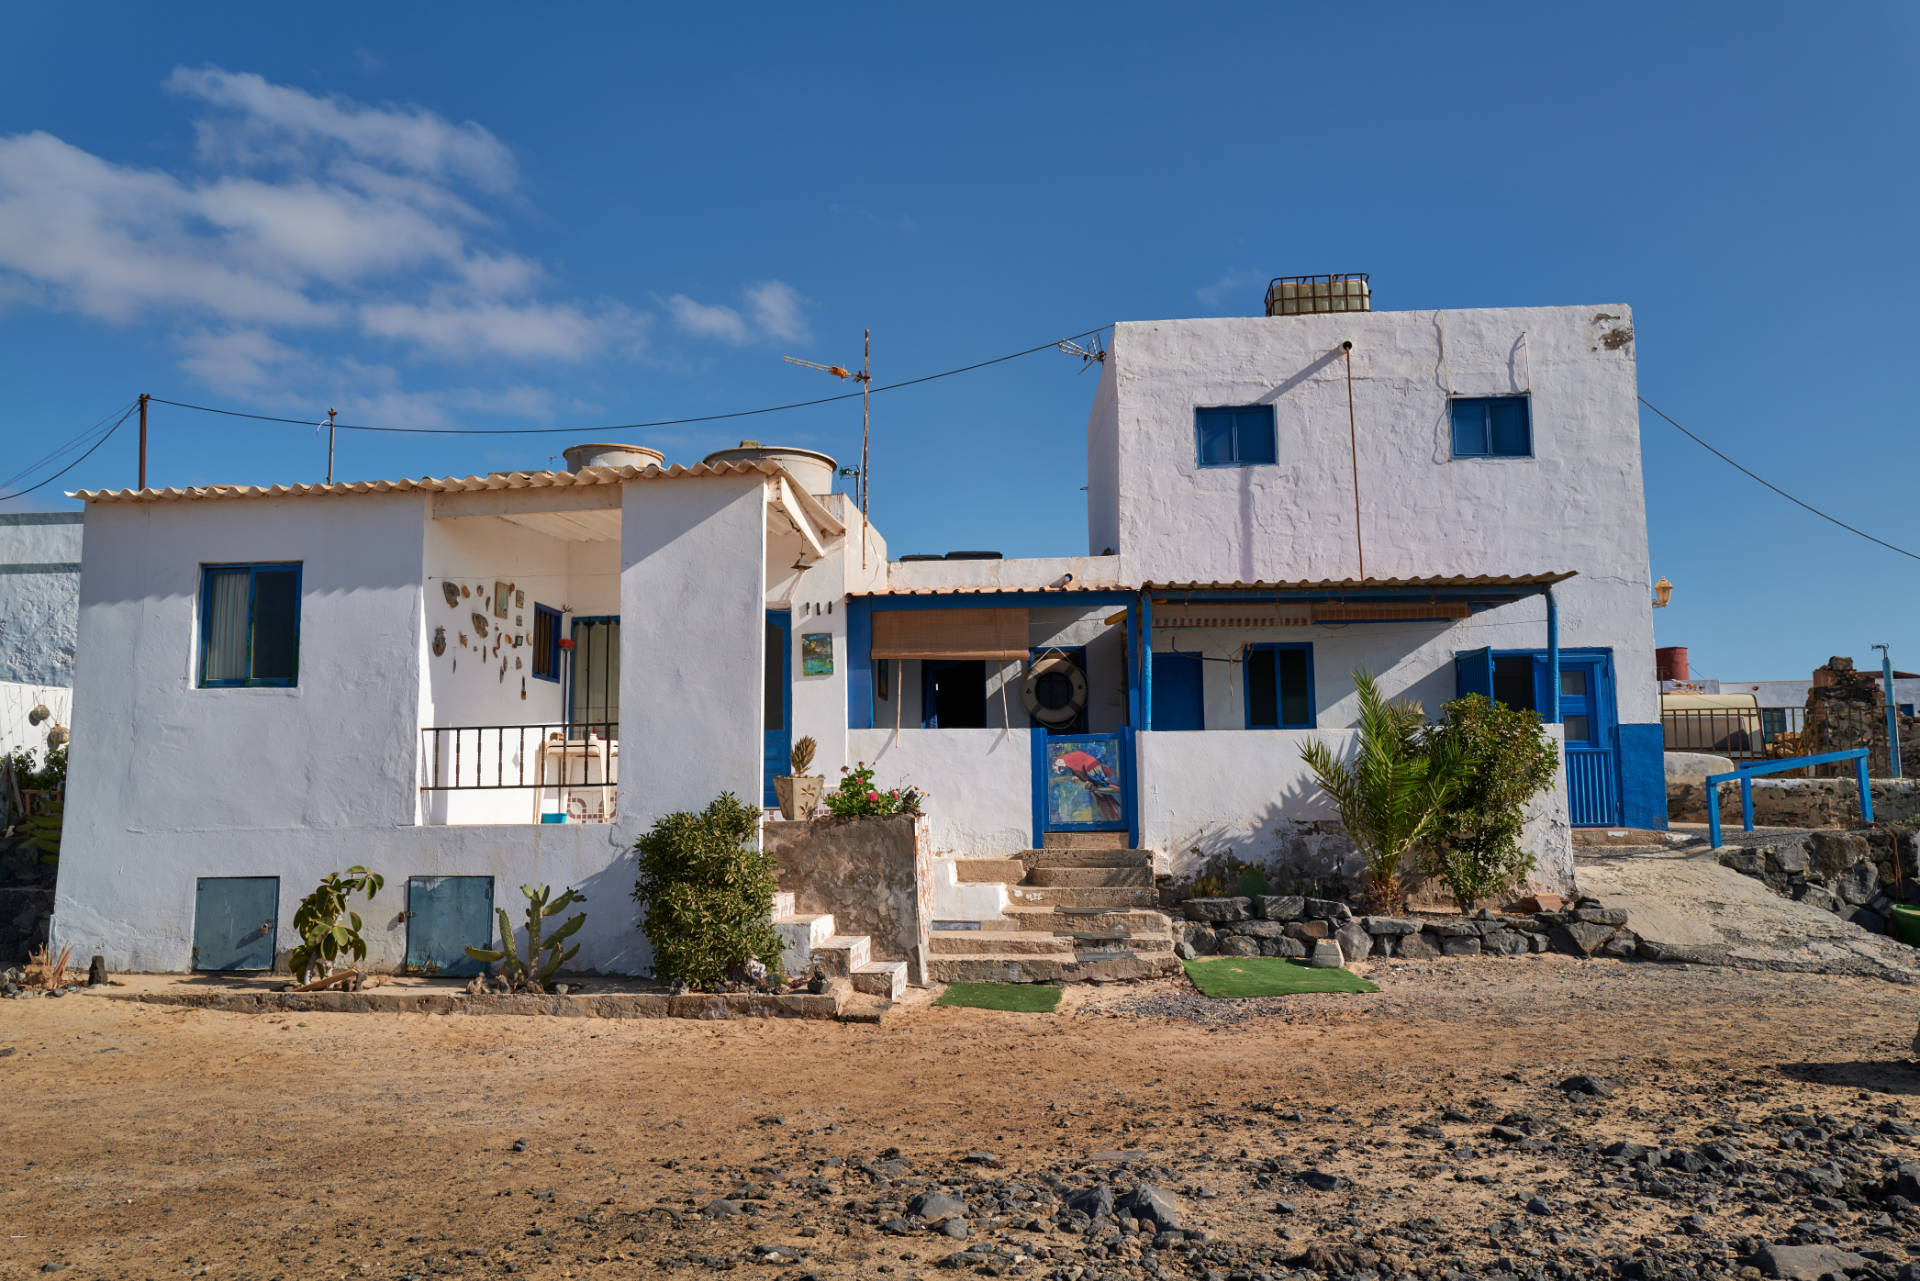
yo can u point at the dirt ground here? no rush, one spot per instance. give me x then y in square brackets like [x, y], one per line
[156, 1142]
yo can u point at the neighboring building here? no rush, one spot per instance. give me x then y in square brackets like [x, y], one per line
[276, 683]
[39, 616]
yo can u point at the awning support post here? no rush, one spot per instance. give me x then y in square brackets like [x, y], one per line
[1553, 659]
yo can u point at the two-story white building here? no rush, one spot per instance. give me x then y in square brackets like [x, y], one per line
[475, 682]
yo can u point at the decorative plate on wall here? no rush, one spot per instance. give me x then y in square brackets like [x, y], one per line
[439, 641]
[466, 591]
[479, 624]
[452, 592]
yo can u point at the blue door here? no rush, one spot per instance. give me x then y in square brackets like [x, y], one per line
[1593, 766]
[445, 916]
[234, 921]
[1081, 782]
[779, 713]
[1178, 702]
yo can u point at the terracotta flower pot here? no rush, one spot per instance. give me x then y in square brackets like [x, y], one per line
[799, 794]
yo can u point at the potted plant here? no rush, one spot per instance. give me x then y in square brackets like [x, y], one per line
[799, 793]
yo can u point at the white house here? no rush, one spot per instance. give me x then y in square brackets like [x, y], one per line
[39, 613]
[470, 683]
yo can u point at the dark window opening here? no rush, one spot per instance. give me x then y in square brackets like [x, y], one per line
[776, 682]
[249, 625]
[1280, 687]
[1236, 435]
[953, 694]
[546, 643]
[1492, 427]
[1513, 682]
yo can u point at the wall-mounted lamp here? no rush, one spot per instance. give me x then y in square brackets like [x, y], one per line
[1662, 593]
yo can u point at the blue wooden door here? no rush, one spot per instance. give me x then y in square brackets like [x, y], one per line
[779, 713]
[1593, 762]
[1178, 701]
[445, 916]
[234, 922]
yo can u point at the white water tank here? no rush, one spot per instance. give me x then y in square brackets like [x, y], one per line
[604, 455]
[811, 469]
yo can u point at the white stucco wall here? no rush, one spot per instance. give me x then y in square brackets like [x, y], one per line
[980, 782]
[17, 702]
[1578, 504]
[39, 596]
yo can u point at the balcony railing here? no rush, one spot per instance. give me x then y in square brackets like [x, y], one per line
[1740, 733]
[567, 769]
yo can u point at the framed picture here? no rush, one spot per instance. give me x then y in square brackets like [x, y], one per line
[502, 599]
[816, 654]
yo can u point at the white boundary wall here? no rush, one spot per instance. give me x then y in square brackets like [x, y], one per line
[980, 782]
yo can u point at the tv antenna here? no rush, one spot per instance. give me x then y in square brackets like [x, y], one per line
[865, 379]
[1089, 356]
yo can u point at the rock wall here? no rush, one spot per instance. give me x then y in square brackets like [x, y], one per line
[875, 875]
[1289, 925]
[26, 898]
[1855, 875]
[1846, 709]
[1801, 802]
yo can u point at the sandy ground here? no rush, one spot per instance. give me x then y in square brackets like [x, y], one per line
[155, 1142]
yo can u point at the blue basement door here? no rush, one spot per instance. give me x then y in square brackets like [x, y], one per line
[1593, 765]
[445, 916]
[779, 713]
[234, 921]
[1178, 702]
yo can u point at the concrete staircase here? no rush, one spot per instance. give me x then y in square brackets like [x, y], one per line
[1081, 909]
[807, 940]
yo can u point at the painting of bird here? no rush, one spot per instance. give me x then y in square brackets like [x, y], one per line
[1101, 782]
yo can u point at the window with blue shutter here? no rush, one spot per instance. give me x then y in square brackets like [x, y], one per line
[1236, 435]
[1280, 686]
[1492, 427]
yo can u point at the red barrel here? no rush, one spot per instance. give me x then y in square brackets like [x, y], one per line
[1670, 664]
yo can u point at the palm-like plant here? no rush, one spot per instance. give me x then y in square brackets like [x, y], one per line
[1391, 796]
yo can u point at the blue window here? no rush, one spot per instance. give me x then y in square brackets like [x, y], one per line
[1236, 435]
[546, 642]
[1280, 687]
[249, 625]
[1492, 427]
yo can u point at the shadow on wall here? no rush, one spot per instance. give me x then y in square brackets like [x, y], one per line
[1295, 855]
[617, 943]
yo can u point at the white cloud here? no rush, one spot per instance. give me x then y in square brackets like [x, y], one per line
[524, 331]
[776, 310]
[274, 116]
[237, 359]
[705, 320]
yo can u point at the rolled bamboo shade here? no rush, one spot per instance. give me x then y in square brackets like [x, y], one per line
[950, 633]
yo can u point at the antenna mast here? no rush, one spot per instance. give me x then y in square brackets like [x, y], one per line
[865, 379]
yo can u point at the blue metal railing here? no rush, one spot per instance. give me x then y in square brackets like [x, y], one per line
[1747, 773]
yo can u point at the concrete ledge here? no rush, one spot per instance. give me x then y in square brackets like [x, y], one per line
[613, 1005]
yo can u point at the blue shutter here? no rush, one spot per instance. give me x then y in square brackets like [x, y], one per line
[1473, 673]
[1469, 428]
[1178, 699]
[1254, 435]
[1508, 432]
[1215, 430]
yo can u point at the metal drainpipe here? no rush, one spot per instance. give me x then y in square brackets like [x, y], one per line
[1553, 659]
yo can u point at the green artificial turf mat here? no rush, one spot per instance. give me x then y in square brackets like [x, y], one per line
[1229, 977]
[1022, 998]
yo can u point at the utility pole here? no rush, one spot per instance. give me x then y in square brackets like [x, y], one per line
[1893, 713]
[143, 440]
[330, 414]
[865, 379]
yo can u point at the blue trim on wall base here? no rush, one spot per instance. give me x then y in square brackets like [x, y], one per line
[1643, 777]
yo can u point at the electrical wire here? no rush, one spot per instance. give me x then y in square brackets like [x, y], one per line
[661, 422]
[1851, 529]
[66, 447]
[21, 493]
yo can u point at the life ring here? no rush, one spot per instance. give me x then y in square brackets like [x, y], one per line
[1044, 677]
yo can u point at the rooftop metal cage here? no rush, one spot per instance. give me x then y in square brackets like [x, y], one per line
[1315, 295]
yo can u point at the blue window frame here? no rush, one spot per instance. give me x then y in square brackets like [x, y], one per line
[546, 643]
[1235, 435]
[1280, 686]
[249, 625]
[1492, 427]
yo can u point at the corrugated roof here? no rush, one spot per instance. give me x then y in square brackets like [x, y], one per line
[468, 484]
[984, 589]
[1373, 584]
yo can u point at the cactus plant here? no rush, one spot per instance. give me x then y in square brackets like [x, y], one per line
[802, 755]
[535, 973]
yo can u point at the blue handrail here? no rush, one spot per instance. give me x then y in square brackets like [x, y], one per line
[1747, 773]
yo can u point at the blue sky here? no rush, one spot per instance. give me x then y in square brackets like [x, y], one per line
[514, 216]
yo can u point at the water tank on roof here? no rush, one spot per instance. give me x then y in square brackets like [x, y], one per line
[813, 470]
[604, 455]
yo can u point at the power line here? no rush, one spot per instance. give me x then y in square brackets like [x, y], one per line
[21, 493]
[65, 447]
[1748, 472]
[607, 427]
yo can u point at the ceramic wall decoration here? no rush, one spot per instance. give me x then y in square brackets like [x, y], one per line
[479, 624]
[466, 591]
[463, 640]
[516, 663]
[439, 641]
[502, 599]
[519, 599]
[452, 592]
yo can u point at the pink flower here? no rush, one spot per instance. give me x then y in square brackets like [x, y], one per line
[894, 795]
[873, 796]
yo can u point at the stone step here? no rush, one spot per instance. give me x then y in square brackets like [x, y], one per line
[881, 978]
[996, 942]
[842, 955]
[1084, 840]
[1105, 941]
[799, 935]
[782, 903]
[1087, 858]
[973, 871]
[1132, 920]
[1090, 876]
[1106, 896]
[1028, 968]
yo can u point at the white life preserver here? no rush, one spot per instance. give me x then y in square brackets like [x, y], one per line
[1060, 715]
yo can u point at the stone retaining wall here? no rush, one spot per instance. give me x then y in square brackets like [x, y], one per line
[1289, 925]
[1800, 802]
[1856, 875]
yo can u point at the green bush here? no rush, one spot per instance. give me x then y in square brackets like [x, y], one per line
[324, 937]
[857, 797]
[708, 894]
[1507, 759]
[51, 776]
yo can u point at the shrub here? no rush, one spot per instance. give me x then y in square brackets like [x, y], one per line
[533, 974]
[1508, 759]
[324, 937]
[1391, 796]
[50, 776]
[708, 893]
[857, 797]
